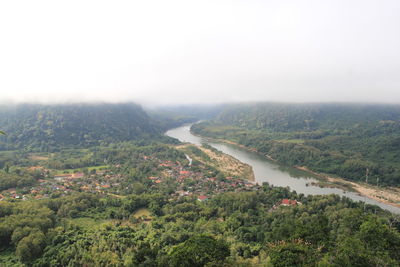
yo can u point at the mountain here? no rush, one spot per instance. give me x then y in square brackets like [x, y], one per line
[43, 127]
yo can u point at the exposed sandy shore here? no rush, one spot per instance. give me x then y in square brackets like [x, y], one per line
[390, 195]
[386, 195]
[225, 163]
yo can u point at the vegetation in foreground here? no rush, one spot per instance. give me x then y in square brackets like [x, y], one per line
[236, 229]
[141, 222]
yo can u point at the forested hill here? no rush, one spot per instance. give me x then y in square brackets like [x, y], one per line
[347, 140]
[307, 117]
[43, 127]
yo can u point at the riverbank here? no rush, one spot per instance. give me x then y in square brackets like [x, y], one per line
[389, 196]
[229, 165]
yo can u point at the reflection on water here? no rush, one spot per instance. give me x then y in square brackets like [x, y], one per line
[271, 172]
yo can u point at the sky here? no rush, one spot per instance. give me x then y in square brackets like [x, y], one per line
[208, 51]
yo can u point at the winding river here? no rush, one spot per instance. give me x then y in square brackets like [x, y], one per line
[271, 172]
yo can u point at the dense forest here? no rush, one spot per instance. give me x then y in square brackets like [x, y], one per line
[130, 196]
[131, 212]
[348, 140]
[50, 127]
[231, 229]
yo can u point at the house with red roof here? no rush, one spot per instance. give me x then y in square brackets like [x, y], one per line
[202, 198]
[288, 202]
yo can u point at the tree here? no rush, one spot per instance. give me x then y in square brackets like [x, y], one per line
[292, 253]
[199, 251]
[31, 246]
[351, 252]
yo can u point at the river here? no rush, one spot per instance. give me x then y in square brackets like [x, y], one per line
[271, 172]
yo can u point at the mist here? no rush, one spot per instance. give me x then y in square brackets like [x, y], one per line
[184, 52]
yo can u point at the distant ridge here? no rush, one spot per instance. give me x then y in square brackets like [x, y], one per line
[43, 127]
[306, 116]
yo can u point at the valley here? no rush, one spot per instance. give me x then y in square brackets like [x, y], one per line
[102, 185]
[302, 181]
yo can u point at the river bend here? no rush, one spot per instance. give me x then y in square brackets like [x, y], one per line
[271, 172]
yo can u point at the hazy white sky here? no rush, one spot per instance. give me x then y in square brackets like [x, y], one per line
[200, 51]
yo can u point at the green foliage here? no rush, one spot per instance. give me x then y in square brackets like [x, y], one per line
[16, 178]
[343, 140]
[291, 254]
[324, 230]
[142, 223]
[199, 251]
[23, 226]
[31, 246]
[279, 117]
[48, 127]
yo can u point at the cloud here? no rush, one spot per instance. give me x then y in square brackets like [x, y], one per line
[200, 51]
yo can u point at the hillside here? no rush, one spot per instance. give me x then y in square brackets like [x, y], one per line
[280, 117]
[347, 140]
[153, 202]
[44, 127]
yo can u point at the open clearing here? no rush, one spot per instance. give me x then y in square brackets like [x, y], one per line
[223, 162]
[142, 212]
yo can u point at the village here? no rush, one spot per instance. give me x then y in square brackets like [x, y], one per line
[63, 184]
[186, 180]
[199, 183]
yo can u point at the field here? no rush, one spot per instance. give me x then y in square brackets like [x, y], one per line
[142, 212]
[97, 168]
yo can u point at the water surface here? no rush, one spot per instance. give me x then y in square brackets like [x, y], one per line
[271, 172]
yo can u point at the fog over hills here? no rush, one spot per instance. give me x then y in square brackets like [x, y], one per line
[158, 52]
